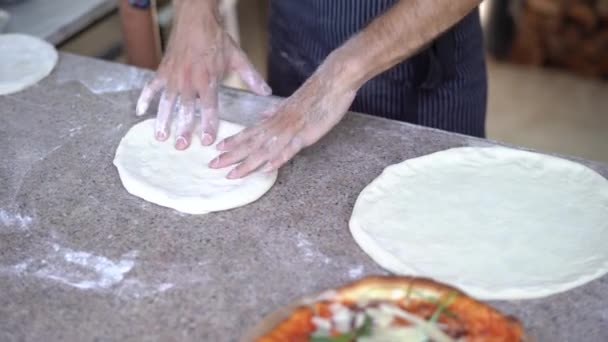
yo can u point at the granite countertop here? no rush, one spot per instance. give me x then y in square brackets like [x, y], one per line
[57, 20]
[81, 259]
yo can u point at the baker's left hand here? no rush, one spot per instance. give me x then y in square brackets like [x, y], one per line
[299, 121]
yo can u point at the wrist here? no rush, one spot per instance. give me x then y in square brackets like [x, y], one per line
[343, 70]
[194, 16]
[197, 5]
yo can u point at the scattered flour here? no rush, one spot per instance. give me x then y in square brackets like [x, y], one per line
[85, 270]
[356, 272]
[305, 246]
[20, 267]
[134, 288]
[50, 152]
[72, 132]
[310, 252]
[88, 271]
[14, 220]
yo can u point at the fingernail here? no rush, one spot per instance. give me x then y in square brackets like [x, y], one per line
[266, 89]
[214, 162]
[220, 146]
[232, 174]
[207, 139]
[160, 135]
[181, 143]
[267, 168]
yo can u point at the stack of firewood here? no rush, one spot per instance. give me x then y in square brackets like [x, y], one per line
[571, 34]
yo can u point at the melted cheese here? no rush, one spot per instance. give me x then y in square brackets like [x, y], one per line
[405, 334]
[382, 317]
[342, 317]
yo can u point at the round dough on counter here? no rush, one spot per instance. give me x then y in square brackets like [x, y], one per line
[24, 61]
[499, 223]
[158, 173]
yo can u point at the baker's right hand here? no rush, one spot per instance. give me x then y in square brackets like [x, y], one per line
[198, 54]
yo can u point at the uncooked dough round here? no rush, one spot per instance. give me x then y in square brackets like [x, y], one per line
[158, 173]
[24, 60]
[499, 223]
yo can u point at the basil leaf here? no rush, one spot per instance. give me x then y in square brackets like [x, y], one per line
[366, 328]
[340, 338]
[442, 307]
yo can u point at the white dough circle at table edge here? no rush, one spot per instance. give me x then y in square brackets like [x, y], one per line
[376, 245]
[181, 180]
[24, 61]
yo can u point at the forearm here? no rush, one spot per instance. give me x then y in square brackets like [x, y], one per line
[394, 36]
[140, 35]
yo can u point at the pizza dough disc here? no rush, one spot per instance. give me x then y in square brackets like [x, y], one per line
[498, 223]
[158, 173]
[24, 60]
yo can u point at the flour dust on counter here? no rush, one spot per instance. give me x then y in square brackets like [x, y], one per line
[85, 271]
[310, 253]
[24, 61]
[14, 220]
[499, 223]
[111, 78]
[182, 180]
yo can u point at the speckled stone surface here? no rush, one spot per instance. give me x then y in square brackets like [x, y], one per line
[82, 260]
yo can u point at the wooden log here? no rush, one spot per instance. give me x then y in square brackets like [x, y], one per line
[582, 14]
[550, 8]
[527, 45]
[569, 34]
[552, 24]
[581, 65]
[527, 49]
[601, 8]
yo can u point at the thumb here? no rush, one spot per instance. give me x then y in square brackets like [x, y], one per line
[252, 78]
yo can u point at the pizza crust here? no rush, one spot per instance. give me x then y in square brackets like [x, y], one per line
[498, 223]
[24, 61]
[182, 180]
[397, 288]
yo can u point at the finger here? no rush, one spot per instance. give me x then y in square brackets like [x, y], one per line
[269, 111]
[185, 123]
[209, 113]
[147, 94]
[250, 164]
[266, 152]
[267, 114]
[294, 146]
[232, 157]
[165, 109]
[234, 141]
[246, 71]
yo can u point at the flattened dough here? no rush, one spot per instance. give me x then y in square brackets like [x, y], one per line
[24, 61]
[498, 223]
[158, 173]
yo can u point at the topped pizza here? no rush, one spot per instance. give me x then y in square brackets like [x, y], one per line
[393, 309]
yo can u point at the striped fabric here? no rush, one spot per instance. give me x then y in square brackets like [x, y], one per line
[443, 87]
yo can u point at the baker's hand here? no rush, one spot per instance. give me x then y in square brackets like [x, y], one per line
[198, 54]
[298, 122]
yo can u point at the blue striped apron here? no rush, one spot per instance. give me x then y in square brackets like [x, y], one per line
[443, 86]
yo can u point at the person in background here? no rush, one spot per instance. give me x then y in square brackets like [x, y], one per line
[419, 61]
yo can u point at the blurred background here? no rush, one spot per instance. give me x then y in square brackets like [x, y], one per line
[547, 59]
